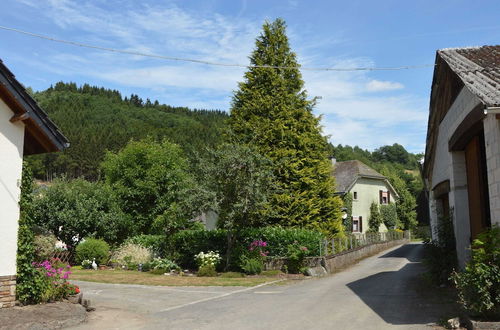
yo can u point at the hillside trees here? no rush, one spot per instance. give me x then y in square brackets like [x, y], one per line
[97, 120]
[271, 112]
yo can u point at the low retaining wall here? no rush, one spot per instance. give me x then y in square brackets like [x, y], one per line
[335, 262]
[7, 291]
[341, 260]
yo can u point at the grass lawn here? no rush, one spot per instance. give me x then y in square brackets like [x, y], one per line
[134, 277]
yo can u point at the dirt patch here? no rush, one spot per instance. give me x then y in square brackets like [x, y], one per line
[44, 316]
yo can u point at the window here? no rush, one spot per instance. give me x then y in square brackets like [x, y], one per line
[355, 195]
[385, 197]
[357, 224]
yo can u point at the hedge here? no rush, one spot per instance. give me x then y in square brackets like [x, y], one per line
[157, 244]
[187, 243]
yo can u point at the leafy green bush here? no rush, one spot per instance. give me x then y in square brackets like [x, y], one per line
[440, 255]
[31, 283]
[389, 216]
[187, 243]
[157, 244]
[252, 266]
[479, 284]
[207, 270]
[165, 265]
[92, 248]
[295, 258]
[82, 209]
[44, 246]
[131, 255]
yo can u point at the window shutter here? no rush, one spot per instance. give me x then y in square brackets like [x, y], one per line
[360, 224]
[388, 197]
[380, 196]
[352, 224]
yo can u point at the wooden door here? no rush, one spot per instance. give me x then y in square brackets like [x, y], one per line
[477, 185]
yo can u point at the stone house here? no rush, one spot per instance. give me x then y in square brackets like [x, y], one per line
[25, 129]
[366, 186]
[462, 157]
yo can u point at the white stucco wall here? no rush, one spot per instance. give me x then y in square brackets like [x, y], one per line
[451, 166]
[11, 158]
[368, 192]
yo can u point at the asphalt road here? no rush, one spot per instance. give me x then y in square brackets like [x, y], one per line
[380, 292]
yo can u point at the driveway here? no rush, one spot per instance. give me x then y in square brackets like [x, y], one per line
[380, 292]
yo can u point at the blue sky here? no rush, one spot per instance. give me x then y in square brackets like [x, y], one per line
[368, 109]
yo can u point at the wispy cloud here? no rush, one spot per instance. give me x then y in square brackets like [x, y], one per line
[357, 108]
[382, 86]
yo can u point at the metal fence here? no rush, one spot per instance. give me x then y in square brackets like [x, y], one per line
[354, 241]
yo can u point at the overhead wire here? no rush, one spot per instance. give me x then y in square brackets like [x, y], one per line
[192, 60]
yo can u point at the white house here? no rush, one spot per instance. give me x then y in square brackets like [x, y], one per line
[366, 186]
[25, 129]
[462, 156]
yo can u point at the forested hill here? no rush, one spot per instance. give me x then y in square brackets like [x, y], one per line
[97, 119]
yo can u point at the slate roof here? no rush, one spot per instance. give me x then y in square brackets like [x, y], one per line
[346, 173]
[478, 68]
[38, 123]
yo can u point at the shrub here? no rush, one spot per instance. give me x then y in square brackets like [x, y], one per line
[131, 255]
[296, 255]
[479, 284]
[210, 258]
[207, 270]
[44, 246]
[252, 266]
[187, 243]
[92, 248]
[440, 255]
[53, 276]
[82, 209]
[157, 244]
[164, 264]
[87, 264]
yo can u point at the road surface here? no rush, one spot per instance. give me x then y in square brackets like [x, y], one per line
[381, 292]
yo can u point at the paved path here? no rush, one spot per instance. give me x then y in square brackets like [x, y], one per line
[380, 292]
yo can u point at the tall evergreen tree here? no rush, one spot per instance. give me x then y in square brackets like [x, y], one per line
[271, 112]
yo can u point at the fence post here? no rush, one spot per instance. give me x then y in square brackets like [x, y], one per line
[350, 239]
[333, 245]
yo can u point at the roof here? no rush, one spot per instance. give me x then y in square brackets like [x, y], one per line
[346, 173]
[41, 134]
[478, 68]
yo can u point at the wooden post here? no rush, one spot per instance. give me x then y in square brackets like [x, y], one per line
[333, 245]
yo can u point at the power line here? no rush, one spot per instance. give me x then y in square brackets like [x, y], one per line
[181, 59]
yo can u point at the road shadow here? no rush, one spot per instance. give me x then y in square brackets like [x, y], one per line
[403, 296]
[412, 252]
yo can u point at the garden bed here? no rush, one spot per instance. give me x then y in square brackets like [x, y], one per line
[145, 278]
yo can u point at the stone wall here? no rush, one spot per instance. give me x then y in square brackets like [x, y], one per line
[7, 291]
[336, 262]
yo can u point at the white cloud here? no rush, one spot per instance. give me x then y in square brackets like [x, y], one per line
[352, 114]
[382, 86]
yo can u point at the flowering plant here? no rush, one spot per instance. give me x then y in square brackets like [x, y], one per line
[55, 275]
[210, 258]
[87, 264]
[258, 248]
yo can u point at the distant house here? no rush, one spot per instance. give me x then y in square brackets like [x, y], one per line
[462, 156]
[25, 129]
[366, 186]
